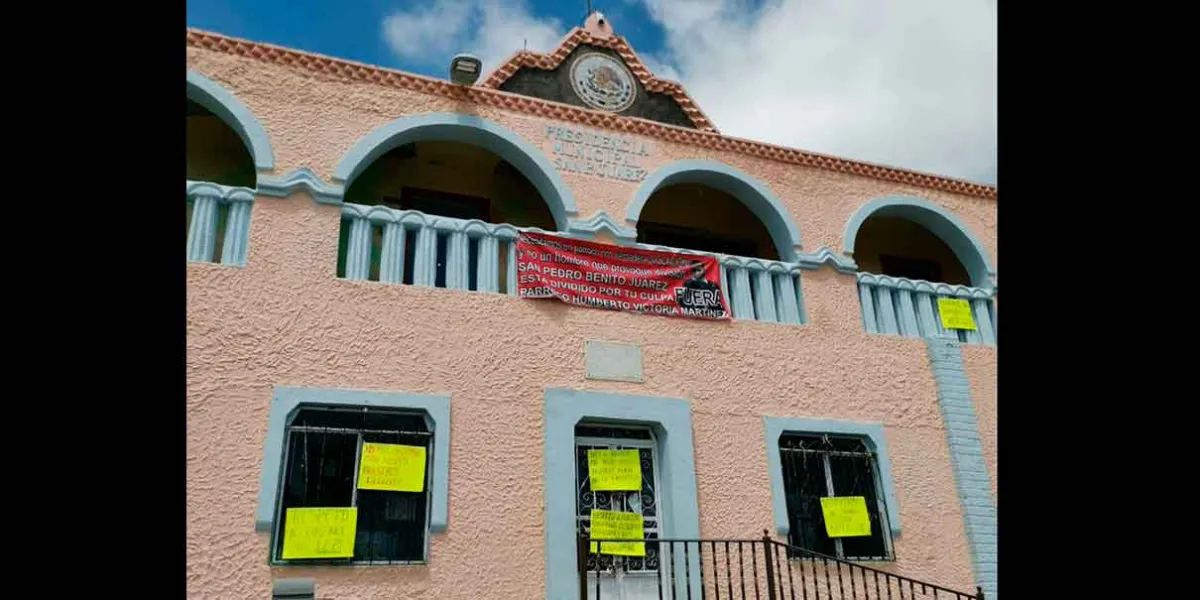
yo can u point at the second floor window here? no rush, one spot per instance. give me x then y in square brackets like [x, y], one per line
[816, 466]
[323, 469]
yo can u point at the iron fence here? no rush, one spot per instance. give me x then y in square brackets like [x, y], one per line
[763, 569]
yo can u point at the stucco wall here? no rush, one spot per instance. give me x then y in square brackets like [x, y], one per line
[313, 120]
[284, 319]
[980, 364]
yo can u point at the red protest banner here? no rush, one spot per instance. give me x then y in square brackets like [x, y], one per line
[619, 278]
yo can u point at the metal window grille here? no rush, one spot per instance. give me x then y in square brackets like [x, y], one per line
[643, 502]
[321, 461]
[815, 466]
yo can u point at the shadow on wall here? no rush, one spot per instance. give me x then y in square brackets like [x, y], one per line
[695, 216]
[898, 247]
[215, 152]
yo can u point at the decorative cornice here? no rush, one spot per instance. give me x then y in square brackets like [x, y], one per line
[616, 43]
[300, 179]
[220, 192]
[757, 265]
[601, 221]
[352, 71]
[814, 260]
[918, 285]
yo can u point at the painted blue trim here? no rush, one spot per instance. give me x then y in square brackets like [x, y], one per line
[302, 179]
[467, 129]
[872, 434]
[207, 196]
[814, 260]
[284, 402]
[671, 420]
[966, 457]
[225, 106]
[601, 221]
[884, 299]
[733, 181]
[939, 221]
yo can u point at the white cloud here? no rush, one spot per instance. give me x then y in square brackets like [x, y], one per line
[907, 83]
[427, 33]
[491, 29]
[660, 67]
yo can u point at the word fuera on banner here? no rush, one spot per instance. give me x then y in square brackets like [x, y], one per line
[618, 278]
[846, 516]
[392, 468]
[617, 525]
[614, 470]
[314, 532]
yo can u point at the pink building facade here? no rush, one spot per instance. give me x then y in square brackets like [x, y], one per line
[352, 278]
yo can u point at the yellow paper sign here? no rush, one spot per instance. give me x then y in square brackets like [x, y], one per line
[616, 525]
[956, 314]
[846, 516]
[392, 468]
[319, 532]
[615, 470]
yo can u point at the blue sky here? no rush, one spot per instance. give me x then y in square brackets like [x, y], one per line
[907, 83]
[329, 27]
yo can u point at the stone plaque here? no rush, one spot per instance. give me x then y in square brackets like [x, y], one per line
[613, 362]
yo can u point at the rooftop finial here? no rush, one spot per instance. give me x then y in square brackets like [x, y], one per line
[597, 25]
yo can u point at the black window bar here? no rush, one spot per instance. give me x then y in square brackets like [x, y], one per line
[321, 464]
[816, 466]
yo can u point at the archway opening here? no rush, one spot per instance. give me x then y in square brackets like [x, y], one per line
[447, 179]
[898, 247]
[215, 154]
[695, 216]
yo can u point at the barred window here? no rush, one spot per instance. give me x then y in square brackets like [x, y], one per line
[644, 502]
[816, 466]
[321, 464]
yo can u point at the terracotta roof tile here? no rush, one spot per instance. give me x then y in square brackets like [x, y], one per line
[487, 95]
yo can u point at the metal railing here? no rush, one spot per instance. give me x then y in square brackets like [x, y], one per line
[909, 307]
[763, 569]
[410, 247]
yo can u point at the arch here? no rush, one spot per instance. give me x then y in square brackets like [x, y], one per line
[939, 221]
[225, 106]
[754, 195]
[467, 129]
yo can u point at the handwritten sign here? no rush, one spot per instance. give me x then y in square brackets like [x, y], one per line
[392, 468]
[956, 314]
[846, 516]
[616, 525]
[319, 532]
[615, 470]
[609, 156]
